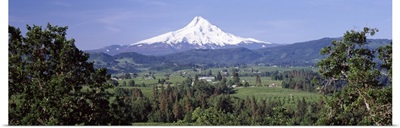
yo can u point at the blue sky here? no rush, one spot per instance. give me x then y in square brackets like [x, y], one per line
[98, 23]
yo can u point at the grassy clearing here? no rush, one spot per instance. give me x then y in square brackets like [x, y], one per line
[273, 68]
[174, 79]
[265, 81]
[274, 93]
[259, 93]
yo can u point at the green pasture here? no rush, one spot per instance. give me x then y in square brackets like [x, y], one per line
[274, 93]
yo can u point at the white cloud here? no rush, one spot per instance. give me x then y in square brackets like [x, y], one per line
[112, 29]
[79, 24]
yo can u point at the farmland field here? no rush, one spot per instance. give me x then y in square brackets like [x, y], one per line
[181, 75]
[263, 92]
[274, 93]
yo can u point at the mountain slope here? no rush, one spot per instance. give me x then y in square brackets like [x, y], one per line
[297, 54]
[198, 34]
[101, 59]
[136, 58]
[304, 53]
[214, 56]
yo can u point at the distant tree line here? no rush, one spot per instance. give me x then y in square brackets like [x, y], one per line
[304, 80]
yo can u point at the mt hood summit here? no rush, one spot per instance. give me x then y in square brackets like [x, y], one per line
[198, 34]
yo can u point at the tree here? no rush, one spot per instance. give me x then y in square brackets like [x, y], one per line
[258, 80]
[253, 105]
[187, 105]
[385, 54]
[114, 82]
[224, 103]
[219, 76]
[47, 74]
[131, 83]
[196, 80]
[246, 84]
[177, 110]
[121, 111]
[230, 82]
[127, 76]
[212, 116]
[362, 99]
[235, 77]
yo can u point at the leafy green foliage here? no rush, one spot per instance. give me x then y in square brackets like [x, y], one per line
[131, 83]
[258, 80]
[300, 80]
[47, 74]
[358, 102]
[385, 54]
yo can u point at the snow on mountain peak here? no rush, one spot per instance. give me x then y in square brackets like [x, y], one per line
[199, 23]
[199, 32]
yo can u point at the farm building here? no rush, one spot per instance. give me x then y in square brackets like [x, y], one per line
[208, 79]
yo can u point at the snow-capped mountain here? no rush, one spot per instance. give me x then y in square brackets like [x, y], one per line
[198, 34]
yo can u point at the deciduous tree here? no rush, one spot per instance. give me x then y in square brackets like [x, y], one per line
[363, 100]
[51, 82]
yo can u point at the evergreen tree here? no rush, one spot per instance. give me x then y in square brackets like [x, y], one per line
[258, 80]
[121, 111]
[219, 76]
[177, 110]
[253, 105]
[131, 83]
[187, 105]
[246, 84]
[196, 80]
[209, 73]
[235, 77]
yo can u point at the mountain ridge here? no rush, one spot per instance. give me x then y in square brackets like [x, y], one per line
[296, 54]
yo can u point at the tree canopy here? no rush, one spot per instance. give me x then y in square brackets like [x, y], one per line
[363, 100]
[51, 82]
